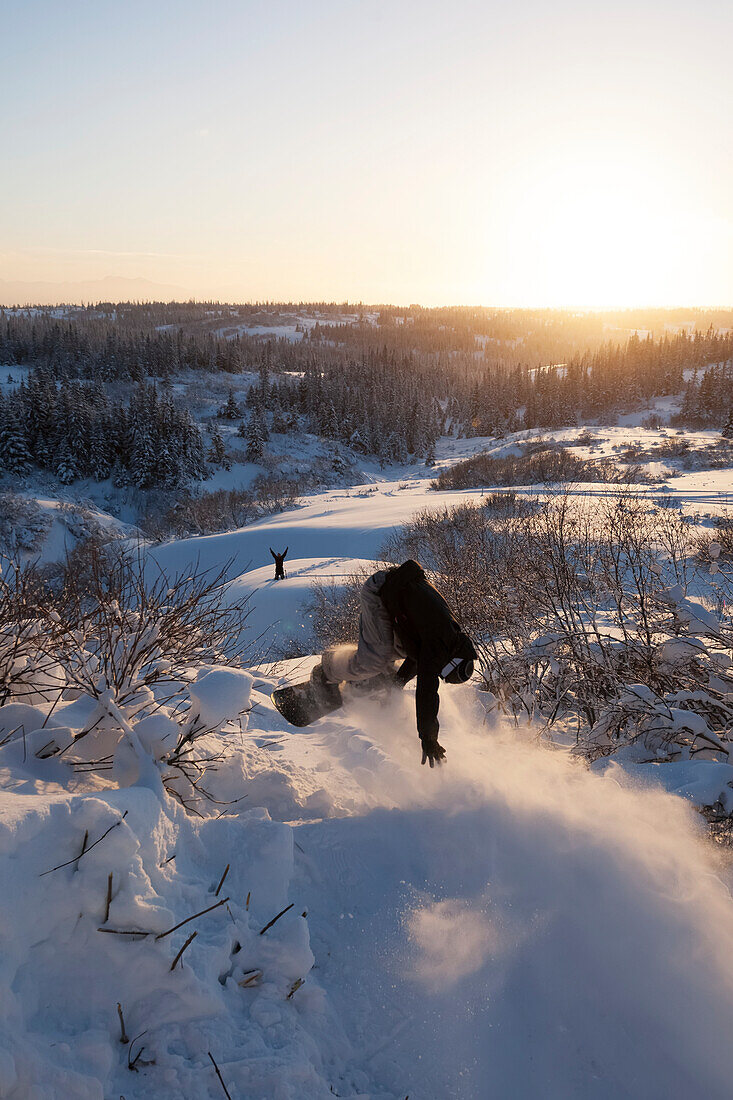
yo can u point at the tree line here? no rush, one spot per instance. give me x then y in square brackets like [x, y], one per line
[381, 384]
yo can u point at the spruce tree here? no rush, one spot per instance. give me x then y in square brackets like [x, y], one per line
[230, 410]
[14, 454]
[217, 450]
[66, 470]
[142, 463]
[255, 449]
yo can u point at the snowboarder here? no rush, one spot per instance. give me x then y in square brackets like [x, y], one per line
[403, 617]
[279, 559]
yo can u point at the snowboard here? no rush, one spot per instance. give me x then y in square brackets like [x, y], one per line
[299, 704]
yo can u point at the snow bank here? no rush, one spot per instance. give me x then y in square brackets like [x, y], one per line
[513, 924]
[65, 965]
[219, 694]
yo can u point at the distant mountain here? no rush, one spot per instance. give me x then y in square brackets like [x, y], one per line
[111, 288]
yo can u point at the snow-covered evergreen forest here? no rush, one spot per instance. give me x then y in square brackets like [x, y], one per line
[382, 383]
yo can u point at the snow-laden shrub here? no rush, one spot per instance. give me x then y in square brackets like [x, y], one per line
[551, 464]
[29, 630]
[333, 610]
[126, 625]
[23, 525]
[580, 616]
[220, 510]
[139, 669]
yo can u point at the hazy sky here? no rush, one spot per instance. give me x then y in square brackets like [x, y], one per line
[514, 153]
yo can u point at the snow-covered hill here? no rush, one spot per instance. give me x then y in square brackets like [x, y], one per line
[513, 925]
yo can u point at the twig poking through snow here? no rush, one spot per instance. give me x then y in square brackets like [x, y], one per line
[280, 914]
[190, 939]
[251, 977]
[294, 988]
[162, 935]
[123, 1033]
[125, 931]
[218, 1074]
[84, 848]
[221, 881]
[109, 898]
[132, 1062]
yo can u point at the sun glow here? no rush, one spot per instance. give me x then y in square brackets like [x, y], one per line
[601, 238]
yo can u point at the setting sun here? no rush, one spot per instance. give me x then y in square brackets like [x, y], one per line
[604, 237]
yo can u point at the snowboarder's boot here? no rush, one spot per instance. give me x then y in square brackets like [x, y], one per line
[378, 685]
[325, 692]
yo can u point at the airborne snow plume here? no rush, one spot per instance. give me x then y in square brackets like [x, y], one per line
[516, 925]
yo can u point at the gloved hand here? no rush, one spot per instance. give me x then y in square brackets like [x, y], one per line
[432, 751]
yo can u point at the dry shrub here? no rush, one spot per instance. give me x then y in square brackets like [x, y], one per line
[220, 510]
[29, 633]
[121, 634]
[126, 626]
[567, 608]
[549, 465]
[334, 611]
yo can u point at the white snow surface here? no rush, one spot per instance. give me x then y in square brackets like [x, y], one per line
[511, 925]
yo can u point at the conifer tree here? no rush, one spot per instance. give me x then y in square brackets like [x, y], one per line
[217, 450]
[255, 449]
[66, 470]
[230, 410]
[14, 454]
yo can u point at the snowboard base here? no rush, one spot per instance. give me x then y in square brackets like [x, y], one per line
[299, 704]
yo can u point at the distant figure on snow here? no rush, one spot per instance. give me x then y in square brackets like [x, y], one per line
[279, 559]
[403, 617]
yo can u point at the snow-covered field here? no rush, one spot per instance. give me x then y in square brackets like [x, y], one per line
[513, 925]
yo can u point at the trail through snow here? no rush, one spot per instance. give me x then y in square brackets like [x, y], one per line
[512, 925]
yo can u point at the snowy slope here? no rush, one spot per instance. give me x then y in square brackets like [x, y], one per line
[341, 532]
[332, 535]
[513, 925]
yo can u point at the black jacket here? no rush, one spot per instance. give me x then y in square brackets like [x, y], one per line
[429, 635]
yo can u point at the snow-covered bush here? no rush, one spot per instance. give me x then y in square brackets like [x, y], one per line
[29, 632]
[718, 545]
[219, 510]
[537, 467]
[23, 525]
[333, 611]
[130, 661]
[582, 616]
